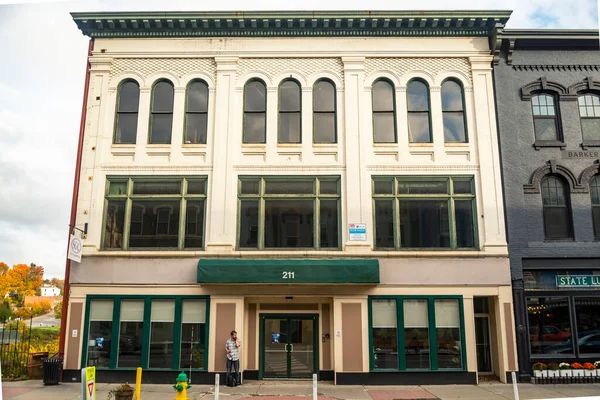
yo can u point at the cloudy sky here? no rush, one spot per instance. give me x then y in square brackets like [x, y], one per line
[42, 68]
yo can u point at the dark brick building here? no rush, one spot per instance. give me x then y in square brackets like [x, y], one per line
[547, 87]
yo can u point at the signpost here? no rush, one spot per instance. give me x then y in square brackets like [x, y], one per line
[88, 383]
[578, 281]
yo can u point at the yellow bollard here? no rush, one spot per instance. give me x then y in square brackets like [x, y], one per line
[138, 383]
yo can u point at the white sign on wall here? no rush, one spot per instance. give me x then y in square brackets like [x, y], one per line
[75, 247]
[357, 232]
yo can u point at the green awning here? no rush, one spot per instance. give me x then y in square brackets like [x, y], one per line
[285, 271]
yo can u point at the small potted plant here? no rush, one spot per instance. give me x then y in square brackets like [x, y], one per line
[597, 365]
[539, 370]
[553, 370]
[121, 392]
[589, 369]
[577, 369]
[565, 370]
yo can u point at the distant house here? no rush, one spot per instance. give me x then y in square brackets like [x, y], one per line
[48, 290]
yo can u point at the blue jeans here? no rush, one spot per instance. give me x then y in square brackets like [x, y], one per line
[236, 365]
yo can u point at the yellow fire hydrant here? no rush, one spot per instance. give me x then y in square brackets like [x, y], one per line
[181, 387]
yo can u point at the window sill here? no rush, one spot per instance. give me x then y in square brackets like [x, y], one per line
[590, 143]
[254, 146]
[325, 145]
[194, 146]
[457, 144]
[566, 240]
[289, 145]
[123, 149]
[420, 145]
[159, 146]
[538, 144]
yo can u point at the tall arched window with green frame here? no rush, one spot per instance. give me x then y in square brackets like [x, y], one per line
[161, 115]
[453, 112]
[126, 121]
[196, 112]
[324, 112]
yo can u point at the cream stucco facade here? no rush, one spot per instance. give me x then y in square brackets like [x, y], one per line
[353, 64]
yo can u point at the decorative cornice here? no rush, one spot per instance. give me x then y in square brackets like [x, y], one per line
[291, 23]
[156, 168]
[290, 168]
[422, 168]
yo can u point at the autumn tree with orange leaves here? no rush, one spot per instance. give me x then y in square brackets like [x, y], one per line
[25, 280]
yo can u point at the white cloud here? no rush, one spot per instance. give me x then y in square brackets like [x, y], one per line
[41, 83]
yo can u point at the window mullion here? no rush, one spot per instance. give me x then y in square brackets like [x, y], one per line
[317, 221]
[177, 334]
[146, 333]
[182, 224]
[432, 334]
[127, 223]
[261, 215]
[116, 325]
[397, 222]
[400, 333]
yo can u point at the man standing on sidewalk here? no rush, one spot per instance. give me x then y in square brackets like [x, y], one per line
[233, 358]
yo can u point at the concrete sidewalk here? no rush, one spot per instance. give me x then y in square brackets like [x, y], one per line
[272, 390]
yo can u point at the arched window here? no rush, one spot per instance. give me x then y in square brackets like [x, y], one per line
[196, 113]
[255, 112]
[589, 111]
[161, 118]
[290, 106]
[557, 212]
[384, 112]
[544, 117]
[324, 107]
[419, 125]
[128, 100]
[595, 192]
[453, 110]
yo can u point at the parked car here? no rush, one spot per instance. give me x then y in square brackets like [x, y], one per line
[550, 333]
[589, 342]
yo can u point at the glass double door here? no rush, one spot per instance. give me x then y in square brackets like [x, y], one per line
[289, 346]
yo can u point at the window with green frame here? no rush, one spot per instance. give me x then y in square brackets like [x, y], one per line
[416, 333]
[150, 212]
[289, 212]
[424, 212]
[160, 332]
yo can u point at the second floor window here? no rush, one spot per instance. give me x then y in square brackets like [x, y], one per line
[419, 121]
[324, 123]
[424, 212]
[595, 192]
[196, 113]
[384, 112]
[589, 112]
[545, 117]
[161, 118]
[146, 213]
[255, 112]
[290, 106]
[557, 210]
[453, 112]
[289, 212]
[127, 113]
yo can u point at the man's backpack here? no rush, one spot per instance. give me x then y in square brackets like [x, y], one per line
[230, 380]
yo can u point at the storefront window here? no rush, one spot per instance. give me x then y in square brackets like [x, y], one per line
[447, 328]
[588, 324]
[131, 333]
[416, 334]
[100, 333]
[549, 325]
[423, 322]
[385, 334]
[193, 325]
[161, 333]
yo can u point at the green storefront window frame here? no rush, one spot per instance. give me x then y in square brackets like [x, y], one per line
[433, 359]
[450, 197]
[129, 197]
[261, 197]
[146, 331]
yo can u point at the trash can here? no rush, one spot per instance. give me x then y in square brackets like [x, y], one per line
[51, 368]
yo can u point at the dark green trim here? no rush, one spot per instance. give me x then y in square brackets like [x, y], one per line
[288, 271]
[433, 359]
[288, 317]
[291, 23]
[146, 331]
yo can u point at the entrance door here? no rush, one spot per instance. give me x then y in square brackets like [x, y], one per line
[289, 346]
[482, 342]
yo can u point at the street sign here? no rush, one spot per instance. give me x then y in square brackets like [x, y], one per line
[75, 248]
[90, 383]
